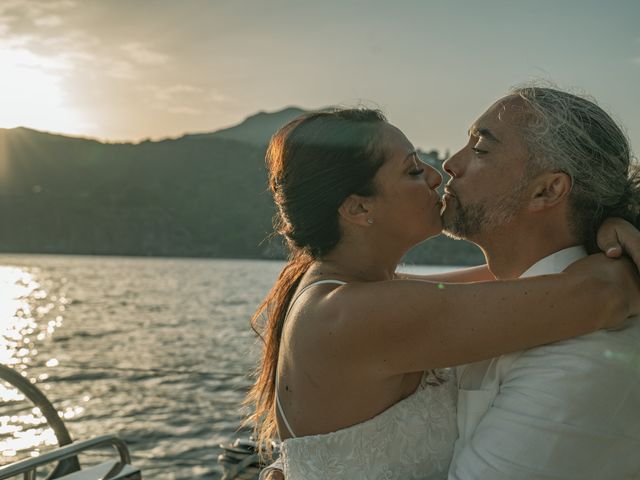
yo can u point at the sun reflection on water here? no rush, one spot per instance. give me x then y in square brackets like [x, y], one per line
[25, 312]
[17, 322]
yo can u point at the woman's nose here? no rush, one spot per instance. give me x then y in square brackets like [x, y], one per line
[434, 179]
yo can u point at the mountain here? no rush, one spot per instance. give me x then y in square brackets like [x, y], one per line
[201, 195]
[256, 129]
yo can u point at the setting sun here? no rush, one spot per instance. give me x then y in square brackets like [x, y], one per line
[31, 93]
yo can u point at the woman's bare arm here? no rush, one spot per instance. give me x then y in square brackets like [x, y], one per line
[480, 273]
[404, 326]
[615, 237]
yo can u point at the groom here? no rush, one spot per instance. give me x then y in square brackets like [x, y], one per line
[541, 170]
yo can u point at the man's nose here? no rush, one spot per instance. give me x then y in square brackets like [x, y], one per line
[454, 165]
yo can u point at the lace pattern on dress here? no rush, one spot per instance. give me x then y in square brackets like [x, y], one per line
[412, 439]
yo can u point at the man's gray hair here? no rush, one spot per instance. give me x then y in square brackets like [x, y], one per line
[568, 133]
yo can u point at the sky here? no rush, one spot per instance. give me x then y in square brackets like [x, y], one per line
[128, 70]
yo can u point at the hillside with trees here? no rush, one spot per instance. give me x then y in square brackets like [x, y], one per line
[200, 195]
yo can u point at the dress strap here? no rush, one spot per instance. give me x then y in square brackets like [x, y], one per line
[313, 284]
[293, 300]
[281, 411]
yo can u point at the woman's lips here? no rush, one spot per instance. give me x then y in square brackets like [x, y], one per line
[448, 199]
[437, 201]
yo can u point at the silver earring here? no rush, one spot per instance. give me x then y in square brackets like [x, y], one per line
[370, 221]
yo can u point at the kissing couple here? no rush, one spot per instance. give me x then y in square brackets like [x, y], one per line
[527, 367]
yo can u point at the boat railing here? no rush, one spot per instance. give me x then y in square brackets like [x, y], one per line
[238, 461]
[65, 458]
[29, 466]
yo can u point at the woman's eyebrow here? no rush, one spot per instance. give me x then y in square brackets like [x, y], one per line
[411, 155]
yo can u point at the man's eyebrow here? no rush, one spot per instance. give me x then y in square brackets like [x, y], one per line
[483, 132]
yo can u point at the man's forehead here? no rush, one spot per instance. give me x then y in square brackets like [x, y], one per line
[505, 114]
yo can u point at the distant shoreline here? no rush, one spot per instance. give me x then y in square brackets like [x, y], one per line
[406, 263]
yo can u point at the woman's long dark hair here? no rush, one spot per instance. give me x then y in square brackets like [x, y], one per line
[314, 162]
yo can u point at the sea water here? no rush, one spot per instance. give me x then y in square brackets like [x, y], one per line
[156, 350]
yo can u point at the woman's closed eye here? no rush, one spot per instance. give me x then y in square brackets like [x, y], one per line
[416, 171]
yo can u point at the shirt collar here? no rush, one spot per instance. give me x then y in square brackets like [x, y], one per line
[556, 262]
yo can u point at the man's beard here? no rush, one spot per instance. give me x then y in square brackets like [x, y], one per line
[471, 220]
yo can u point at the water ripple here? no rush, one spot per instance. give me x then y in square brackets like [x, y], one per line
[157, 350]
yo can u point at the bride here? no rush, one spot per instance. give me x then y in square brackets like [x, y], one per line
[352, 353]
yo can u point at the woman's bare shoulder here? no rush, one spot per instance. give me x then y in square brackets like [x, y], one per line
[319, 315]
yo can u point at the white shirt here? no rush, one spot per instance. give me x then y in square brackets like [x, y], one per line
[568, 410]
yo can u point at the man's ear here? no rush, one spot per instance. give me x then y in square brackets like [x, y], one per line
[357, 210]
[549, 189]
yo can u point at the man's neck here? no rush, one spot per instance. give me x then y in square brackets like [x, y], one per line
[511, 254]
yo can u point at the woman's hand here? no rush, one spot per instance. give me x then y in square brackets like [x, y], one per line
[617, 236]
[621, 275]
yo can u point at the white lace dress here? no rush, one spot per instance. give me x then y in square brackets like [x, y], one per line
[412, 439]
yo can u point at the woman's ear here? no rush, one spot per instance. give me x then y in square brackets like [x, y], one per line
[549, 189]
[357, 210]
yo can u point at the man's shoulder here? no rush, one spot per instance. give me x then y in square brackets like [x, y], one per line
[593, 379]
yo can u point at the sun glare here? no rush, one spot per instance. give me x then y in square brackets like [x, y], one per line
[32, 93]
[16, 285]
[22, 427]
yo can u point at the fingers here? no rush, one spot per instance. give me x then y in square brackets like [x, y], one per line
[617, 236]
[632, 248]
[607, 238]
[629, 239]
[612, 250]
